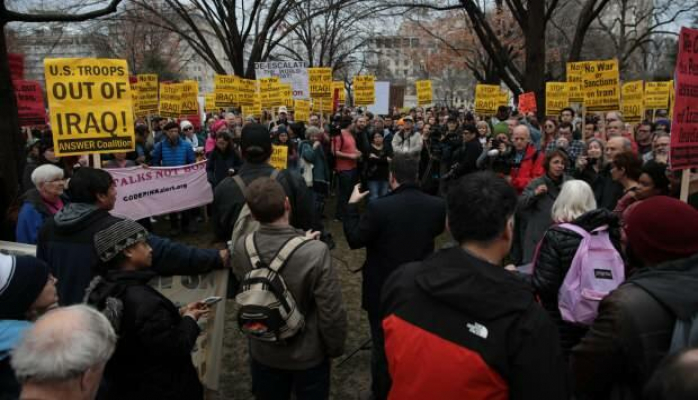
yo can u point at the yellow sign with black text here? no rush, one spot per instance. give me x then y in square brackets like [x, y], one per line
[147, 94]
[320, 83]
[601, 85]
[487, 99]
[424, 92]
[633, 101]
[279, 157]
[90, 105]
[556, 98]
[171, 100]
[364, 90]
[657, 95]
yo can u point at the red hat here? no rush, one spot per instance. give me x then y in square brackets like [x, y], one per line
[662, 229]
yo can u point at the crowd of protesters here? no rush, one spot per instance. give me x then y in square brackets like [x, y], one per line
[481, 318]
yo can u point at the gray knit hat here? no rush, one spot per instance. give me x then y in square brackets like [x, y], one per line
[117, 237]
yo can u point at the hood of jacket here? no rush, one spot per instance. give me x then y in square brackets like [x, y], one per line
[473, 286]
[674, 284]
[11, 331]
[75, 216]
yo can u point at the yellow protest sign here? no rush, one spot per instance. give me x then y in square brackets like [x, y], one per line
[210, 102]
[134, 97]
[190, 98]
[424, 92]
[147, 94]
[90, 105]
[170, 100]
[364, 90]
[657, 95]
[633, 101]
[487, 98]
[246, 92]
[556, 98]
[671, 98]
[269, 92]
[601, 85]
[279, 157]
[224, 88]
[301, 110]
[255, 109]
[286, 95]
[338, 87]
[503, 98]
[320, 83]
[574, 80]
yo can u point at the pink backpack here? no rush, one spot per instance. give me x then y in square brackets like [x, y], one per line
[596, 270]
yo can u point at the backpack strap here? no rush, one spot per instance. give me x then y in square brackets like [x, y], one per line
[285, 252]
[279, 260]
[243, 187]
[576, 229]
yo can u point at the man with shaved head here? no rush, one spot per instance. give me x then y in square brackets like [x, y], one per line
[526, 162]
[64, 354]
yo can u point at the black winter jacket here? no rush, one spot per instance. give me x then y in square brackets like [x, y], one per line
[633, 330]
[555, 256]
[228, 199]
[219, 163]
[152, 359]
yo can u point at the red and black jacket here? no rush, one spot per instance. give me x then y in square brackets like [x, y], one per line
[457, 327]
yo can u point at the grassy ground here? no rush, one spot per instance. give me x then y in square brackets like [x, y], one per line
[348, 379]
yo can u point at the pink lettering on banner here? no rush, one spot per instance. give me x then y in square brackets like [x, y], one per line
[148, 191]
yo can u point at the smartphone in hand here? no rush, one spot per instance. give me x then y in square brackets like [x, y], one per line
[209, 301]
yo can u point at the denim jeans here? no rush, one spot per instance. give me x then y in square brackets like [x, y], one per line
[277, 384]
[377, 189]
[346, 182]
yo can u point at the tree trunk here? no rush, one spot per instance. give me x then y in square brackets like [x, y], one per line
[534, 79]
[11, 151]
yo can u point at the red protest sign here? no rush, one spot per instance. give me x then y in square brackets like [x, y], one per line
[684, 127]
[30, 103]
[16, 66]
[527, 103]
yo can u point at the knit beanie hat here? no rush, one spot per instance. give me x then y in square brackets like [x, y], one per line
[256, 135]
[662, 229]
[111, 241]
[218, 126]
[22, 278]
[185, 124]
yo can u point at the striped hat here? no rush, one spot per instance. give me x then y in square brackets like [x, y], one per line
[111, 241]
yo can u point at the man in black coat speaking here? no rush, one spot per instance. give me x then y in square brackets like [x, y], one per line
[396, 229]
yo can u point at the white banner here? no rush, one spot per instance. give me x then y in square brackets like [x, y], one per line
[293, 72]
[148, 191]
[382, 104]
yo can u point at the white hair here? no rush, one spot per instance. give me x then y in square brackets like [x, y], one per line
[575, 199]
[63, 344]
[46, 173]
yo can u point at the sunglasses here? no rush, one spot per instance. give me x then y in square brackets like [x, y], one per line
[188, 129]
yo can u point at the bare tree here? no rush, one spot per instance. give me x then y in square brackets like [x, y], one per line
[11, 153]
[231, 35]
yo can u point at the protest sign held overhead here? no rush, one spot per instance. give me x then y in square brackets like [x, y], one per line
[364, 90]
[633, 101]
[190, 95]
[684, 127]
[302, 110]
[210, 102]
[574, 80]
[224, 90]
[601, 85]
[657, 95]
[487, 99]
[527, 102]
[556, 98]
[90, 104]
[269, 92]
[294, 73]
[170, 100]
[424, 92]
[320, 81]
[30, 103]
[147, 94]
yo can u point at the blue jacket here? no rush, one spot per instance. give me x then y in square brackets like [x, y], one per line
[66, 243]
[11, 331]
[167, 155]
[31, 217]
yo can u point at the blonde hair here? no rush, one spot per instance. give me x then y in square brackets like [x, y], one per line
[575, 199]
[486, 125]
